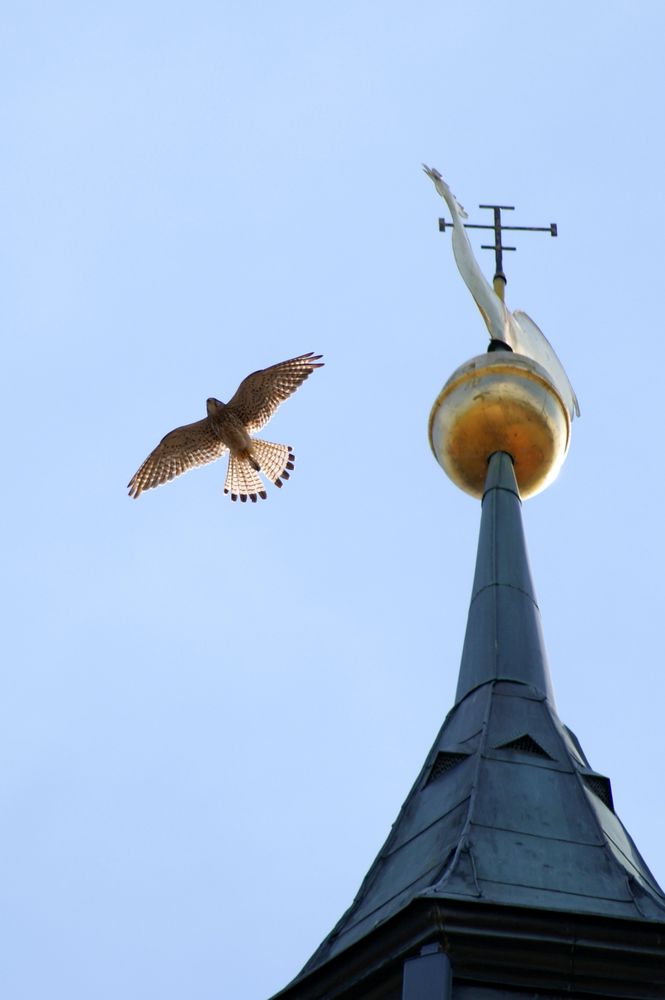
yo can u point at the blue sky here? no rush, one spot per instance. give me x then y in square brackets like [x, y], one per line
[211, 713]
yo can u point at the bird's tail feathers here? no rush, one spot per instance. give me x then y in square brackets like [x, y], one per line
[243, 481]
[242, 478]
[276, 460]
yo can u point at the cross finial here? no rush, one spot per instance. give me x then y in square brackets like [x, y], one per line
[500, 279]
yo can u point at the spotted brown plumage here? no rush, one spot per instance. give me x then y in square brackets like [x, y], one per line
[227, 427]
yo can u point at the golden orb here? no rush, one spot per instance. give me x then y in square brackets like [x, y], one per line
[500, 401]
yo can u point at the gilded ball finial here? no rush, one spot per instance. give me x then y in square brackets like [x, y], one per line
[500, 401]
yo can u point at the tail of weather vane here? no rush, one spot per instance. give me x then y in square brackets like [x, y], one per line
[518, 400]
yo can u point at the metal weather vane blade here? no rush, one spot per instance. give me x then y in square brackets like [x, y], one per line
[516, 329]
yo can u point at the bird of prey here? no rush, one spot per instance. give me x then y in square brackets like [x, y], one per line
[227, 427]
[514, 328]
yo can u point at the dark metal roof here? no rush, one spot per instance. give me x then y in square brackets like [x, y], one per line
[507, 810]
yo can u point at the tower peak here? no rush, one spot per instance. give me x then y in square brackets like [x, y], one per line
[507, 872]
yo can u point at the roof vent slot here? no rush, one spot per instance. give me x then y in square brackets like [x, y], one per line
[525, 744]
[444, 762]
[601, 788]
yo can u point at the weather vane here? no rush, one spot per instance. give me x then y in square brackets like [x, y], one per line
[514, 329]
[500, 279]
[519, 400]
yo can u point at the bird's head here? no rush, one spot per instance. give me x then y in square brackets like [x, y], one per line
[214, 406]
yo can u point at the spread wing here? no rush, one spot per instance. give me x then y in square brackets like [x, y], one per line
[181, 450]
[259, 395]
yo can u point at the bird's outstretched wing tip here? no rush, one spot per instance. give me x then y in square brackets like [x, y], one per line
[310, 358]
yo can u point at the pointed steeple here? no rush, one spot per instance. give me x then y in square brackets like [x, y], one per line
[508, 848]
[507, 873]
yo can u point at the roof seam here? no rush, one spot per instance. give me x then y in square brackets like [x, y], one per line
[502, 489]
[540, 836]
[559, 892]
[634, 870]
[409, 840]
[484, 729]
[510, 586]
[539, 762]
[389, 899]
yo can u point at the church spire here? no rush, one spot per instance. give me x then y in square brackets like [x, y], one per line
[507, 872]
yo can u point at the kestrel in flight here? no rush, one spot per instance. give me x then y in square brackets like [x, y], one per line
[227, 428]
